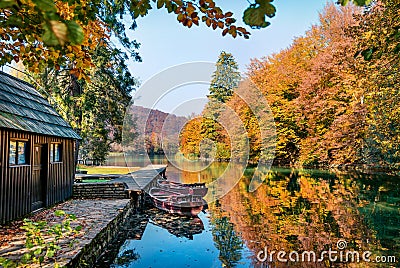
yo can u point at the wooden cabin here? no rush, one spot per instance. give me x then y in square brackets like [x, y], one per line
[37, 164]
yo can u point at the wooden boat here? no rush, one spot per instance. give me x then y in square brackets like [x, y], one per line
[177, 203]
[184, 188]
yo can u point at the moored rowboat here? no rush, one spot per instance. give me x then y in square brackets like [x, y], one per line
[184, 188]
[177, 203]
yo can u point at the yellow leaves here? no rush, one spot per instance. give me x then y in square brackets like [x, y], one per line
[65, 10]
[190, 9]
[54, 54]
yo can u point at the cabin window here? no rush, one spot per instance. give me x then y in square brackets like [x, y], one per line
[18, 152]
[55, 152]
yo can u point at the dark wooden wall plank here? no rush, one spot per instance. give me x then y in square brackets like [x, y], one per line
[16, 181]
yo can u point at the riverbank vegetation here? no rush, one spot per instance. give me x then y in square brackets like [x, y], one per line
[333, 93]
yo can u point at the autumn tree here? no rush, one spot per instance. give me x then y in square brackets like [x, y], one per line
[330, 96]
[315, 94]
[250, 123]
[190, 138]
[378, 42]
[279, 77]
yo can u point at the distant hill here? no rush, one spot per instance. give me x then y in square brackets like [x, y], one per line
[153, 128]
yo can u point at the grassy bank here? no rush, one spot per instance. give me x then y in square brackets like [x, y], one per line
[106, 169]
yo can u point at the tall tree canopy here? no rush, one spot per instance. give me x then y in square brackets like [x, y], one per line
[207, 131]
[94, 109]
[225, 78]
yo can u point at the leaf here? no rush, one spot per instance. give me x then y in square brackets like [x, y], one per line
[55, 33]
[160, 3]
[194, 15]
[50, 253]
[180, 17]
[255, 17]
[75, 33]
[208, 22]
[234, 34]
[29, 244]
[45, 5]
[228, 14]
[26, 257]
[37, 251]
[59, 213]
[362, 2]
[7, 263]
[343, 2]
[268, 9]
[72, 217]
[14, 20]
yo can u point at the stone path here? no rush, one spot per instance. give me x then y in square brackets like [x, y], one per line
[92, 215]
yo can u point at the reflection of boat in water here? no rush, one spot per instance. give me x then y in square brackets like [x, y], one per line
[184, 188]
[177, 203]
[180, 226]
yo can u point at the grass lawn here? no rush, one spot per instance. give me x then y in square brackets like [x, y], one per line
[106, 170]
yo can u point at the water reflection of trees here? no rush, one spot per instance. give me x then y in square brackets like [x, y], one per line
[299, 211]
[225, 238]
[380, 205]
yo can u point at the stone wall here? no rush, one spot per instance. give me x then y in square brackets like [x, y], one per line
[107, 190]
[88, 255]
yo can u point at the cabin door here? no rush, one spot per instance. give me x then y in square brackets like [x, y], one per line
[39, 176]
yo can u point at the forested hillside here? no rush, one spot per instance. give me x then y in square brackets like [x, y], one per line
[151, 128]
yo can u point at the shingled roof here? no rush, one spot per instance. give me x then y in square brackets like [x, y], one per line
[23, 108]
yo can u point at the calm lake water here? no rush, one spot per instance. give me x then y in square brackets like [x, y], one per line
[293, 211]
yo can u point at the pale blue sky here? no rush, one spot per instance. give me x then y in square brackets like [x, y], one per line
[165, 42]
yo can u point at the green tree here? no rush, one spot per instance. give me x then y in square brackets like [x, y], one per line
[226, 240]
[94, 109]
[225, 78]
